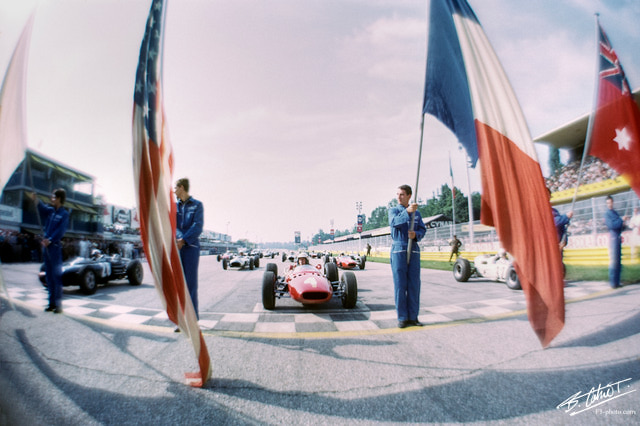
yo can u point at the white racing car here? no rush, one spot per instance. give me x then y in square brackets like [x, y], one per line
[496, 267]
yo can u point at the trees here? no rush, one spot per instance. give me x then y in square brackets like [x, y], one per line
[439, 204]
[442, 204]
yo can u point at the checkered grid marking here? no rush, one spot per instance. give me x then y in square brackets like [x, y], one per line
[263, 321]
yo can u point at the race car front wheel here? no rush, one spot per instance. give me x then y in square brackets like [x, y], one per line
[268, 290]
[88, 283]
[349, 286]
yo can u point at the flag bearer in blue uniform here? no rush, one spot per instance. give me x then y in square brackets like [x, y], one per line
[189, 223]
[56, 221]
[406, 276]
[615, 225]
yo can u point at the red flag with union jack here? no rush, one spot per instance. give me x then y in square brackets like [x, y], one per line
[153, 172]
[615, 123]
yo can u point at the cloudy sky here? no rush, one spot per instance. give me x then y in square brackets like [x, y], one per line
[285, 113]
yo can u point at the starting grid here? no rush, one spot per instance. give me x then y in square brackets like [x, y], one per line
[294, 320]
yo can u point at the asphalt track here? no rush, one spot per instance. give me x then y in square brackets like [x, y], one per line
[113, 358]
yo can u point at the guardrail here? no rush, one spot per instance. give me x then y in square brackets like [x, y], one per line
[585, 256]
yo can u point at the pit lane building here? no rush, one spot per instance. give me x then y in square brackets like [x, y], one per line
[89, 216]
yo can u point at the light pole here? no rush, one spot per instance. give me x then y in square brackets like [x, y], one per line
[359, 225]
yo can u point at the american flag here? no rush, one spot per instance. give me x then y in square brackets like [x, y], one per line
[153, 172]
[615, 122]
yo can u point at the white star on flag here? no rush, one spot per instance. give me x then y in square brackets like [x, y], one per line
[623, 139]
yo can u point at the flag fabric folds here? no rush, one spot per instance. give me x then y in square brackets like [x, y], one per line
[153, 170]
[13, 127]
[468, 91]
[615, 121]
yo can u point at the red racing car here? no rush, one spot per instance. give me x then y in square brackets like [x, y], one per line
[346, 261]
[308, 284]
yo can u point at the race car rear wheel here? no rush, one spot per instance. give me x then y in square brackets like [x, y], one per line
[331, 271]
[225, 264]
[268, 290]
[513, 282]
[135, 274]
[462, 270]
[88, 284]
[363, 260]
[251, 264]
[256, 262]
[349, 286]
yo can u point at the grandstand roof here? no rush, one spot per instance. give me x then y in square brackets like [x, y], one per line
[573, 134]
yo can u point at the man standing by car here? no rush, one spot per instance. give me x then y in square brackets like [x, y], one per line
[189, 223]
[56, 221]
[406, 275]
[455, 247]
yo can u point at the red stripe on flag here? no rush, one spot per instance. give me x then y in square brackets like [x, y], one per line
[524, 223]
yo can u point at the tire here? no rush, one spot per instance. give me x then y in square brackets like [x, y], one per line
[225, 264]
[218, 258]
[350, 290]
[513, 281]
[251, 264]
[256, 262]
[42, 277]
[273, 268]
[88, 283]
[331, 271]
[462, 270]
[284, 257]
[268, 290]
[363, 260]
[135, 273]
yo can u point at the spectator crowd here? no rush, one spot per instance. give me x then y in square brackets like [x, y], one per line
[566, 177]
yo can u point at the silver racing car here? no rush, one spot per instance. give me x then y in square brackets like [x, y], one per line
[496, 267]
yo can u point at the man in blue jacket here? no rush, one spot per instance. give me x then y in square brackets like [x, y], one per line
[189, 224]
[615, 225]
[56, 221]
[406, 275]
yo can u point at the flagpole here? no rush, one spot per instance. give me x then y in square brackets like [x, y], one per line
[469, 203]
[587, 140]
[415, 193]
[453, 200]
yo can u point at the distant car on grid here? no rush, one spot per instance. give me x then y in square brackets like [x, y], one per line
[350, 261]
[241, 261]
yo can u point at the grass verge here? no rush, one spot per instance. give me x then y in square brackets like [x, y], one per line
[630, 273]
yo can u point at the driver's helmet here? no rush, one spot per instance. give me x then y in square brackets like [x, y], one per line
[502, 253]
[303, 259]
[95, 253]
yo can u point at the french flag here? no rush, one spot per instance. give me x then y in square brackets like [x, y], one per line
[467, 90]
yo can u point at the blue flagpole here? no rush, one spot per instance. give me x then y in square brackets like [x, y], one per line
[415, 192]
